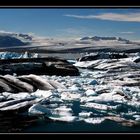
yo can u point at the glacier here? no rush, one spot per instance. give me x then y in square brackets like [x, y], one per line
[14, 55]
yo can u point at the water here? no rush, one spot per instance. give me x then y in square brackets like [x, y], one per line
[79, 127]
[45, 126]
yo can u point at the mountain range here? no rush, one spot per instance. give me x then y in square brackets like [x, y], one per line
[10, 39]
[97, 38]
[14, 39]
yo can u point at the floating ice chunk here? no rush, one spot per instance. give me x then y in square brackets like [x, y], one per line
[38, 109]
[58, 114]
[74, 88]
[137, 117]
[85, 114]
[86, 64]
[75, 80]
[42, 93]
[16, 106]
[21, 95]
[53, 105]
[131, 90]
[98, 106]
[13, 55]
[18, 83]
[90, 92]
[2, 98]
[40, 82]
[16, 102]
[56, 84]
[94, 82]
[104, 97]
[71, 61]
[70, 96]
[102, 89]
[36, 55]
[56, 100]
[118, 91]
[59, 111]
[62, 111]
[65, 118]
[6, 94]
[96, 120]
[86, 99]
[25, 55]
[133, 103]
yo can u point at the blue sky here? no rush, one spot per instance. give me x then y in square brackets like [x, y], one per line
[71, 23]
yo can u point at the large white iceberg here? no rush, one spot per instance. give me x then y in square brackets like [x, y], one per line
[14, 55]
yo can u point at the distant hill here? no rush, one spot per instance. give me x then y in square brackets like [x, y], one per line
[14, 39]
[97, 38]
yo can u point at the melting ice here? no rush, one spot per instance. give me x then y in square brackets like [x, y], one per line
[110, 91]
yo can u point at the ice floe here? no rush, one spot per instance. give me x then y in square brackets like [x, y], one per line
[99, 106]
[90, 92]
[42, 94]
[96, 120]
[13, 55]
[108, 90]
[21, 95]
[58, 114]
[70, 96]
[85, 114]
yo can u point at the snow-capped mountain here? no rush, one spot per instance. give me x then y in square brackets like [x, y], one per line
[97, 38]
[13, 40]
[9, 39]
[22, 36]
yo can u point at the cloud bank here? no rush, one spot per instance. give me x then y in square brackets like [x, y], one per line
[129, 17]
[126, 32]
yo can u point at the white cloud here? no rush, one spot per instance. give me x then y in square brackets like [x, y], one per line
[5, 32]
[127, 32]
[129, 17]
[8, 32]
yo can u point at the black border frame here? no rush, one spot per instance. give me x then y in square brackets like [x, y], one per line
[70, 4]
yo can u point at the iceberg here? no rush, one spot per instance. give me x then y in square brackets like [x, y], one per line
[38, 109]
[21, 95]
[2, 98]
[65, 118]
[85, 114]
[42, 94]
[14, 55]
[110, 91]
[67, 96]
[94, 82]
[59, 114]
[90, 92]
[96, 120]
[99, 106]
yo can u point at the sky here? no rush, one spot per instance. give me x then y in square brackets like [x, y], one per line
[72, 22]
